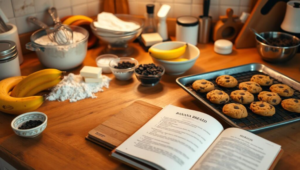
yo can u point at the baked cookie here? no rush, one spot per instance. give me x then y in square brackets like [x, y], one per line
[262, 108]
[226, 81]
[262, 80]
[250, 86]
[242, 96]
[217, 97]
[269, 97]
[292, 105]
[203, 86]
[282, 90]
[235, 110]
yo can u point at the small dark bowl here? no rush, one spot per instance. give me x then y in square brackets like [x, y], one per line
[150, 80]
[277, 54]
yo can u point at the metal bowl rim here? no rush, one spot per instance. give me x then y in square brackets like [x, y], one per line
[277, 32]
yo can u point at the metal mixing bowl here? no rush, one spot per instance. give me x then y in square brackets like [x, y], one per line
[275, 53]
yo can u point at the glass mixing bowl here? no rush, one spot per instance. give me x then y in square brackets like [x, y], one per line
[118, 40]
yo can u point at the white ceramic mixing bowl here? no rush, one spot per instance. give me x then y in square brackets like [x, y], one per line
[62, 57]
[192, 53]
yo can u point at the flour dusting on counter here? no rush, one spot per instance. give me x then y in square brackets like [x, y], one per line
[73, 88]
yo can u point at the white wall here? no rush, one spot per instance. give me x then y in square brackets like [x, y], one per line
[18, 10]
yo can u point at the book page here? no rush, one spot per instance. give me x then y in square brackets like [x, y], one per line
[239, 149]
[175, 138]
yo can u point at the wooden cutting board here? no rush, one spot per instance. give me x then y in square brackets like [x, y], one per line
[261, 22]
[120, 126]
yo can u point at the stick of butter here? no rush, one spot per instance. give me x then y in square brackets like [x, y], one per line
[91, 72]
[93, 80]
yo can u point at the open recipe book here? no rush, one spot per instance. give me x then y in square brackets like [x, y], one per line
[178, 138]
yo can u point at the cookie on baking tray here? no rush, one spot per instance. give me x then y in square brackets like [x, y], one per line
[235, 110]
[242, 96]
[282, 90]
[226, 81]
[203, 86]
[250, 86]
[292, 105]
[269, 97]
[217, 97]
[262, 108]
[262, 80]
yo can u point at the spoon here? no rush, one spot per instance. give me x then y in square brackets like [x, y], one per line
[253, 30]
[63, 34]
[49, 30]
[3, 26]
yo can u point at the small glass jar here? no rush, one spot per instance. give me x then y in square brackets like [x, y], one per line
[9, 61]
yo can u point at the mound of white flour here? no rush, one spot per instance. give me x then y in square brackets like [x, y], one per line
[73, 88]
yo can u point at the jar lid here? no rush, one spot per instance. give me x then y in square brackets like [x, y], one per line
[223, 46]
[150, 8]
[7, 49]
[187, 21]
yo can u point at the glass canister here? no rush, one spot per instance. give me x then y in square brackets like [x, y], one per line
[9, 62]
[187, 29]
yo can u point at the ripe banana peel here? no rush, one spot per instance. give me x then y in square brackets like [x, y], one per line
[16, 105]
[42, 87]
[167, 54]
[35, 81]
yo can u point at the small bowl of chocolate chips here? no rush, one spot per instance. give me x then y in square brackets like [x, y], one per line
[30, 124]
[123, 68]
[149, 74]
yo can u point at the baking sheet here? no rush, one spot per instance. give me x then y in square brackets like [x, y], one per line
[253, 122]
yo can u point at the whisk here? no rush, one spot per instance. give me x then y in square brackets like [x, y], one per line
[62, 34]
[49, 30]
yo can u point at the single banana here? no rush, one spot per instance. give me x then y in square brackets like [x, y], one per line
[44, 86]
[16, 105]
[167, 54]
[35, 80]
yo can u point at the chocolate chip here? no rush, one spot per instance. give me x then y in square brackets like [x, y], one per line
[226, 99]
[274, 100]
[286, 91]
[267, 82]
[261, 105]
[260, 98]
[248, 83]
[227, 80]
[203, 82]
[210, 83]
[296, 100]
[242, 93]
[244, 88]
[280, 86]
[220, 93]
[269, 95]
[227, 77]
[260, 77]
[271, 106]
[242, 99]
[236, 107]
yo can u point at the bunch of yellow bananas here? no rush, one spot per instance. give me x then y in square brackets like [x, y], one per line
[21, 99]
[168, 54]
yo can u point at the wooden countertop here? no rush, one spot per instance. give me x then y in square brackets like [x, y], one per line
[63, 146]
